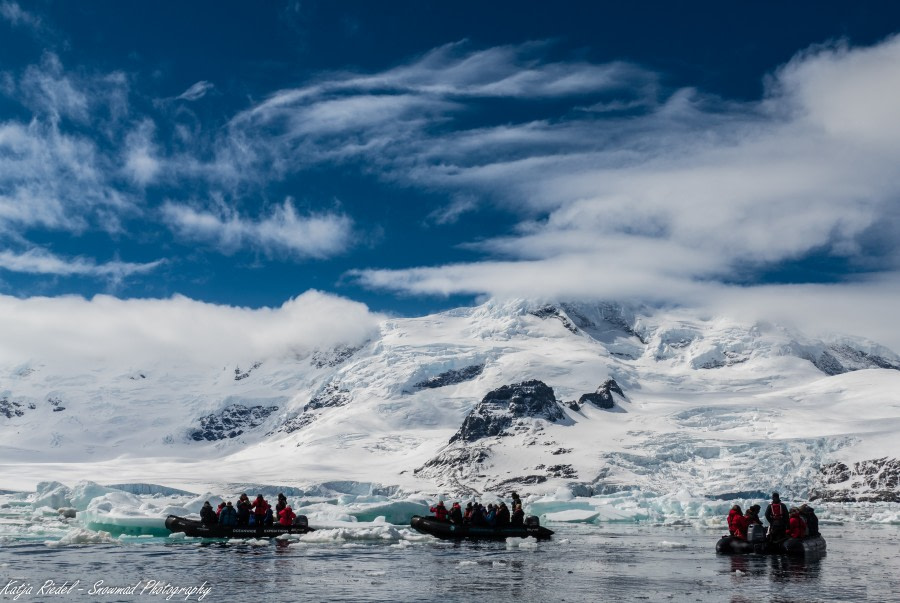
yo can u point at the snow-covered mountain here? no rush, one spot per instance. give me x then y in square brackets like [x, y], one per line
[599, 398]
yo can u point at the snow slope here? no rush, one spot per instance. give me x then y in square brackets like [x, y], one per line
[711, 406]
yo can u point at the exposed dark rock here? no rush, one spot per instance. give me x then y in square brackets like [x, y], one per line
[561, 451]
[729, 358]
[451, 377]
[231, 422]
[603, 397]
[828, 364]
[497, 411]
[876, 480]
[553, 312]
[333, 357]
[562, 471]
[331, 396]
[10, 409]
[56, 403]
[239, 375]
[467, 459]
[612, 314]
[842, 358]
[517, 482]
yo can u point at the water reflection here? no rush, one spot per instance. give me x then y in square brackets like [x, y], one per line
[795, 569]
[583, 563]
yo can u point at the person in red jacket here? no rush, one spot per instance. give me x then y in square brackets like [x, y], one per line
[732, 514]
[259, 506]
[796, 525]
[286, 516]
[739, 526]
[440, 511]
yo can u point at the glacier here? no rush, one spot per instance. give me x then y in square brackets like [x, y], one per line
[707, 411]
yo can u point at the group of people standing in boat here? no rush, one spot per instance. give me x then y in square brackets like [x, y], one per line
[796, 522]
[257, 513]
[475, 514]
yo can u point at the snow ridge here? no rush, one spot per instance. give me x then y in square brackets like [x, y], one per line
[655, 401]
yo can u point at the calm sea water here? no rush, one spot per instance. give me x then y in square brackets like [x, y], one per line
[582, 563]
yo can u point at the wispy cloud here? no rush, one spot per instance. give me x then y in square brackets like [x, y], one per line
[141, 156]
[56, 181]
[282, 232]
[810, 168]
[40, 261]
[17, 16]
[196, 91]
[391, 117]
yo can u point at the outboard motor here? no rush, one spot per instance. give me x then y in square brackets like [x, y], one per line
[301, 522]
[756, 533]
[532, 521]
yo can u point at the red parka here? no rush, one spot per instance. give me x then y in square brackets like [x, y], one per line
[286, 516]
[260, 506]
[796, 527]
[739, 526]
[440, 511]
[732, 514]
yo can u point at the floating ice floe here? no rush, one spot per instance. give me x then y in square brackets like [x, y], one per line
[672, 545]
[521, 543]
[81, 536]
[573, 515]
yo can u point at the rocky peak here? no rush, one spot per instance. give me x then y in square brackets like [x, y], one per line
[602, 398]
[501, 407]
[843, 358]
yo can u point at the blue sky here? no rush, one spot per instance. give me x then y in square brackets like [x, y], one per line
[416, 156]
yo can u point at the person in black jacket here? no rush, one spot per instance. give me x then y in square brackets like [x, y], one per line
[243, 509]
[518, 516]
[812, 522]
[281, 504]
[456, 515]
[502, 518]
[777, 516]
[208, 515]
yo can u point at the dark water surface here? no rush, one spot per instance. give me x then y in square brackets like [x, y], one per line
[609, 562]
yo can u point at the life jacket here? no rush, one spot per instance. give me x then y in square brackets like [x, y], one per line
[779, 513]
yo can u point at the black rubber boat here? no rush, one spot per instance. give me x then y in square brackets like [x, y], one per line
[452, 531]
[197, 529]
[799, 547]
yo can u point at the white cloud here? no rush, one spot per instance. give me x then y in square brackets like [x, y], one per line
[141, 162]
[16, 15]
[196, 91]
[388, 118]
[688, 193]
[283, 231]
[79, 332]
[52, 180]
[39, 261]
[49, 90]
